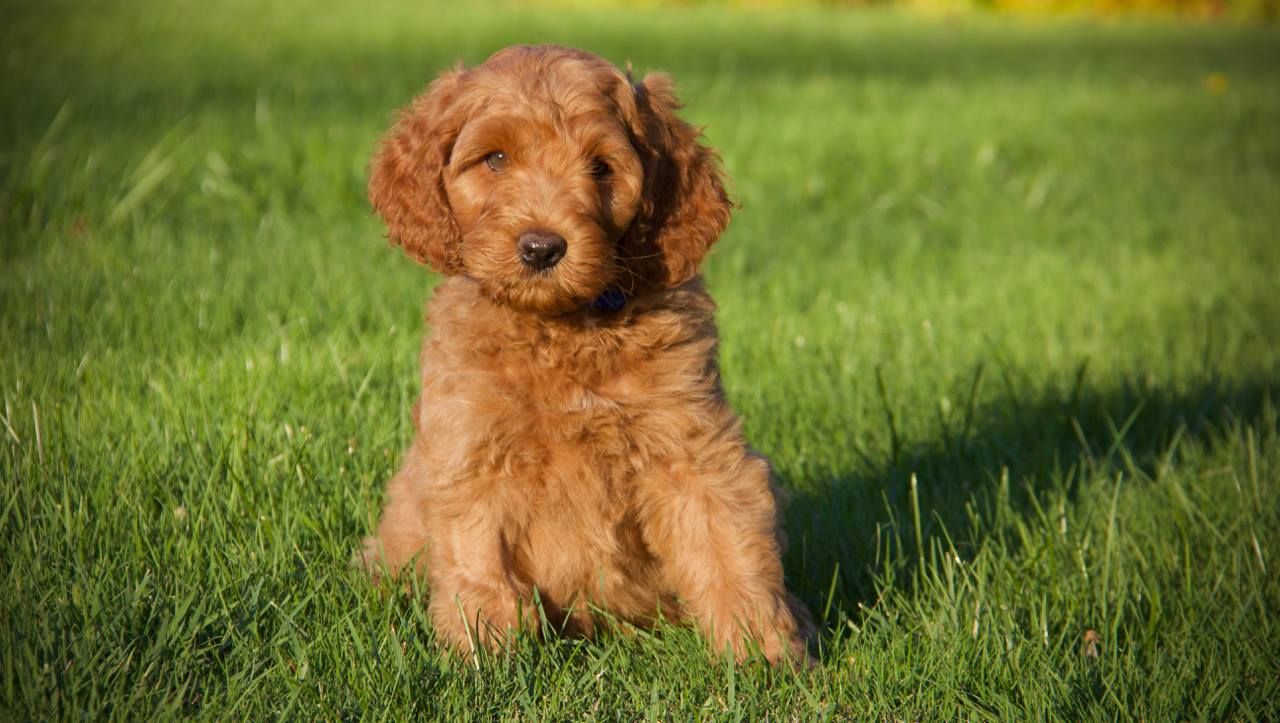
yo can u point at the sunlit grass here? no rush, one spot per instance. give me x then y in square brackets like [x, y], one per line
[1000, 303]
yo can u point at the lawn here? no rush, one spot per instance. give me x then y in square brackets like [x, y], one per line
[1002, 303]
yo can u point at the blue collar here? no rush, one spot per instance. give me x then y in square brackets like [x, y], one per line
[609, 300]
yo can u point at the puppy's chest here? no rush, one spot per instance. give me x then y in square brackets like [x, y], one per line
[598, 422]
[543, 424]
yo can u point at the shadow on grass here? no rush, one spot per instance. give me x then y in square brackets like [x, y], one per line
[1001, 458]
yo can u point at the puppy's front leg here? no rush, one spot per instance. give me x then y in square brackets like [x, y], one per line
[476, 598]
[715, 531]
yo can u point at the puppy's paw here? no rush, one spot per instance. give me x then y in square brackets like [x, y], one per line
[369, 559]
[787, 650]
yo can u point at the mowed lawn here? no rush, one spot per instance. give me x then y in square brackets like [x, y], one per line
[1002, 303]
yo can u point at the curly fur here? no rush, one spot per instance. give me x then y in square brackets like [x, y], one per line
[588, 455]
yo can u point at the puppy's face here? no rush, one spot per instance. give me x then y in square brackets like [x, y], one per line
[548, 177]
[543, 182]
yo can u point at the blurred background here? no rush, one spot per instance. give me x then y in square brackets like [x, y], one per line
[1000, 302]
[1239, 9]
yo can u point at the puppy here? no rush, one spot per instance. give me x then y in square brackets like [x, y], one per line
[574, 448]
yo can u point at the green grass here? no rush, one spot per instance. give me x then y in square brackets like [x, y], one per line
[1001, 303]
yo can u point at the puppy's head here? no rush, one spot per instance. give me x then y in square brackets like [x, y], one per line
[549, 177]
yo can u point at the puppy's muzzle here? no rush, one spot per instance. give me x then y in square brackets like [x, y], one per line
[540, 250]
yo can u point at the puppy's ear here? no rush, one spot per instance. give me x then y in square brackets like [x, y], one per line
[406, 186]
[684, 208]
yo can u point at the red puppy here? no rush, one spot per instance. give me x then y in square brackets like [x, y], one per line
[573, 436]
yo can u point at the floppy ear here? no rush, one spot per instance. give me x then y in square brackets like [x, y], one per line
[406, 187]
[684, 208]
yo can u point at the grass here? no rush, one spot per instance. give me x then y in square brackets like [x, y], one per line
[1001, 303]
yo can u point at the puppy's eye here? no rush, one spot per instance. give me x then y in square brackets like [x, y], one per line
[496, 161]
[600, 169]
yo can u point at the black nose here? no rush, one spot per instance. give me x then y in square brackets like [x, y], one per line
[540, 249]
